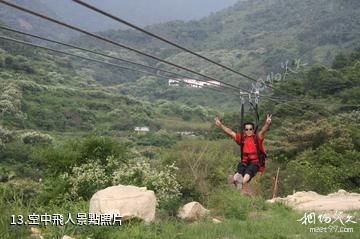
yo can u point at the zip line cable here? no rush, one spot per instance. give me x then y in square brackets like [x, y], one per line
[119, 66]
[99, 61]
[159, 37]
[102, 54]
[105, 55]
[131, 49]
[113, 42]
[94, 60]
[135, 70]
[118, 19]
[114, 65]
[74, 55]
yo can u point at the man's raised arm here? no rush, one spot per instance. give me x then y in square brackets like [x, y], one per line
[224, 128]
[265, 127]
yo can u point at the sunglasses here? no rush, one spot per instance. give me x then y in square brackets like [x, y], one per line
[247, 129]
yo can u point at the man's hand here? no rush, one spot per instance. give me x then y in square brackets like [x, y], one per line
[224, 128]
[268, 119]
[217, 122]
[265, 127]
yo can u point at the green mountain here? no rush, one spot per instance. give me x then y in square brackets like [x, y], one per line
[264, 39]
[283, 28]
[257, 37]
[53, 92]
[261, 38]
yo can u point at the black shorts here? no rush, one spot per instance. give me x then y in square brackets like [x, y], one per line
[250, 168]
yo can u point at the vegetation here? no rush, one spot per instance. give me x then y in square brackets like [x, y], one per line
[257, 37]
[67, 127]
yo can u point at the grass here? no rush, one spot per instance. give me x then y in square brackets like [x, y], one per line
[255, 219]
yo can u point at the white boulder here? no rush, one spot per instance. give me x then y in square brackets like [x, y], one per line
[305, 201]
[192, 211]
[127, 201]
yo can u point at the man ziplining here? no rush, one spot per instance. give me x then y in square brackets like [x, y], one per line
[252, 151]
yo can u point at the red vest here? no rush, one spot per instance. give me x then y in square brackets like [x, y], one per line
[249, 149]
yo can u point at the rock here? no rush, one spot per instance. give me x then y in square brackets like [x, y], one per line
[339, 193]
[66, 237]
[35, 231]
[128, 201]
[216, 221]
[305, 201]
[192, 211]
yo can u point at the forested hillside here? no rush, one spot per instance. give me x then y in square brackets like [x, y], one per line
[255, 37]
[55, 92]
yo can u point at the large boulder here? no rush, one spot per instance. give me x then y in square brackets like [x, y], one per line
[306, 201]
[192, 211]
[128, 201]
[36, 233]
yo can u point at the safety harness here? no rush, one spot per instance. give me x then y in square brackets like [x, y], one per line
[261, 155]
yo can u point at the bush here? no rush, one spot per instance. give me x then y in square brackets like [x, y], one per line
[340, 61]
[162, 181]
[86, 179]
[5, 135]
[91, 149]
[203, 166]
[95, 148]
[324, 170]
[18, 63]
[56, 160]
[34, 138]
[15, 153]
[11, 103]
[54, 77]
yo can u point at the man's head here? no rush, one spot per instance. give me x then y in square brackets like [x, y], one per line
[249, 128]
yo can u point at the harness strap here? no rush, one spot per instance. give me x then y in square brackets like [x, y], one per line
[241, 124]
[257, 116]
[261, 155]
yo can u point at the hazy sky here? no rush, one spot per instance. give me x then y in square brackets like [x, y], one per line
[143, 12]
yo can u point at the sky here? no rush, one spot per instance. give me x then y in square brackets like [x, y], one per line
[141, 12]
